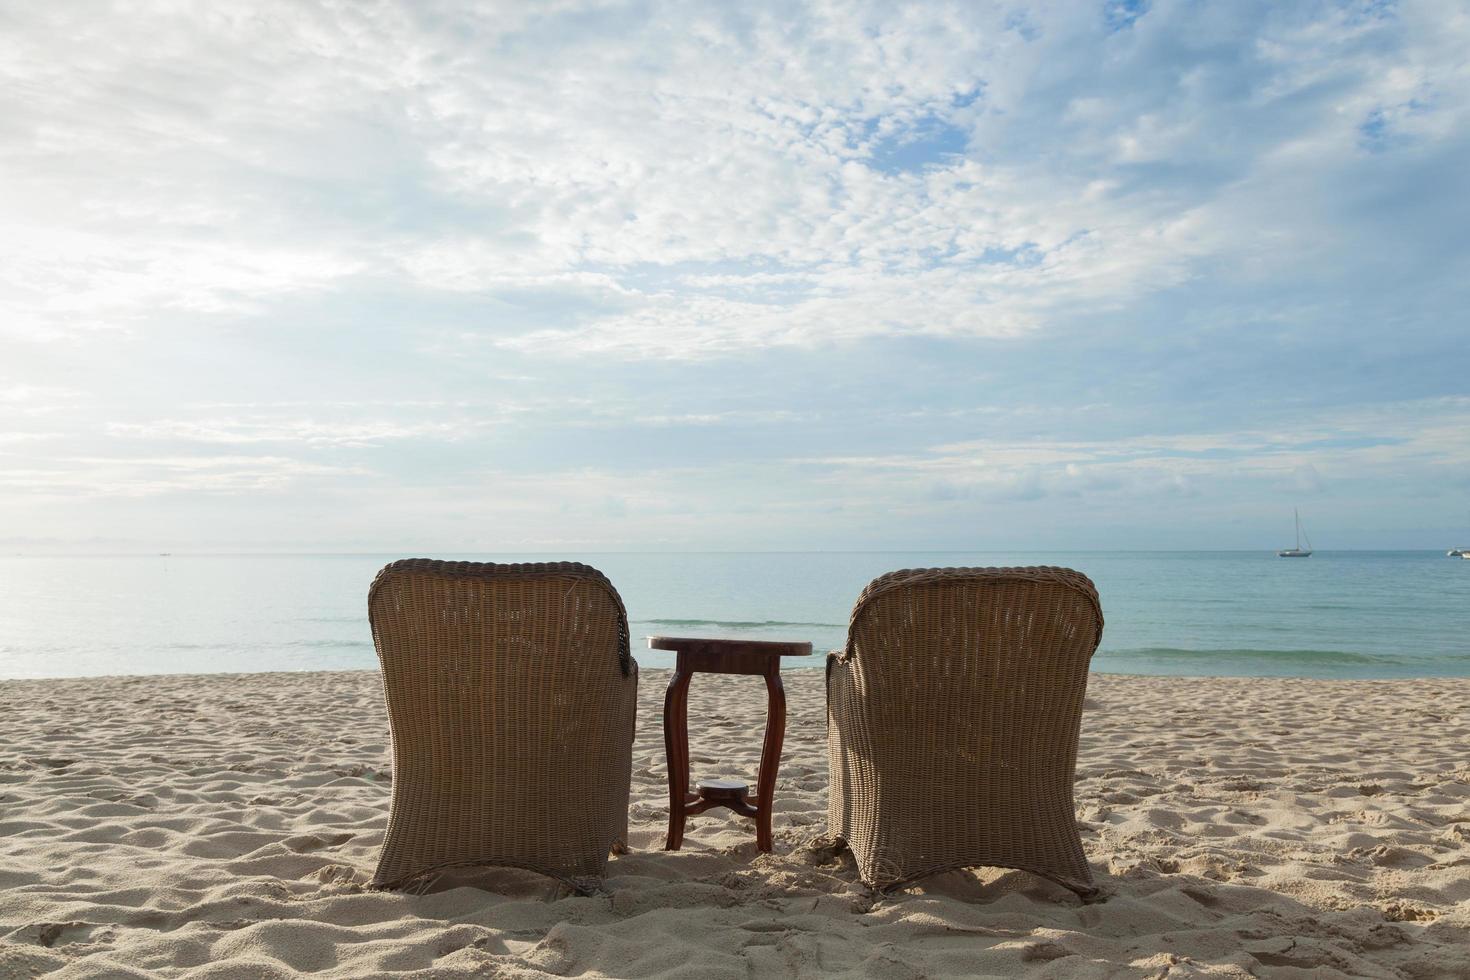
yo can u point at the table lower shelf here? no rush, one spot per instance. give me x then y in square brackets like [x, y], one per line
[730, 793]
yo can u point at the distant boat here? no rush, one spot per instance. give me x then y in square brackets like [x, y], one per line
[1298, 551]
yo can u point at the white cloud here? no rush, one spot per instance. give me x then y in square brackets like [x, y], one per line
[94, 477]
[28, 400]
[955, 252]
[1376, 445]
[298, 432]
[704, 135]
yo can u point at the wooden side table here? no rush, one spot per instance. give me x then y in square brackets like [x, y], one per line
[696, 654]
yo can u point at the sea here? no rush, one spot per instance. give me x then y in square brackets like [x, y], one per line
[1337, 614]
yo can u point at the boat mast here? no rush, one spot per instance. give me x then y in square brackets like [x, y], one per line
[1297, 514]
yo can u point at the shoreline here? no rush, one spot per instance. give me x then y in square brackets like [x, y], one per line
[224, 824]
[787, 669]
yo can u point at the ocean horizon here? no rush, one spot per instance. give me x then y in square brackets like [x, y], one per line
[1337, 615]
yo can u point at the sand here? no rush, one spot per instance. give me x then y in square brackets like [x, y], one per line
[223, 826]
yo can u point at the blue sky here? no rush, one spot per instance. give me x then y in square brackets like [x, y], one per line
[429, 277]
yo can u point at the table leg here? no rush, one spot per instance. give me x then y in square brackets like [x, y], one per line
[770, 757]
[676, 749]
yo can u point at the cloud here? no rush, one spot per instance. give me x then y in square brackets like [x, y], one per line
[26, 401]
[103, 477]
[873, 264]
[1380, 445]
[925, 171]
[298, 432]
[12, 394]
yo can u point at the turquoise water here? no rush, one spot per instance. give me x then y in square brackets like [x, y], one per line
[1334, 615]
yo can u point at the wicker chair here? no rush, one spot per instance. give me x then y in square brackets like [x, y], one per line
[511, 697]
[952, 723]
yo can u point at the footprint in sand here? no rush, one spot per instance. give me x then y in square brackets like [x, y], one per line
[53, 934]
[43, 763]
[316, 842]
[1390, 856]
[337, 874]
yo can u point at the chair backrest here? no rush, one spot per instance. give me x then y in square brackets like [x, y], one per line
[1000, 653]
[422, 610]
[1039, 589]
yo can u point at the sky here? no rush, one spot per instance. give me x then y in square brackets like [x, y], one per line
[427, 277]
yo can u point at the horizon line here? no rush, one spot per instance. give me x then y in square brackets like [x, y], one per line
[694, 551]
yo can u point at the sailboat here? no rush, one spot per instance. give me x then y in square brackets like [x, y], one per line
[1298, 551]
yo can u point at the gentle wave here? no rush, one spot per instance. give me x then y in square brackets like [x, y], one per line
[1325, 657]
[157, 648]
[737, 624]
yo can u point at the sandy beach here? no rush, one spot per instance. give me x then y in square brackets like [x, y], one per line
[223, 826]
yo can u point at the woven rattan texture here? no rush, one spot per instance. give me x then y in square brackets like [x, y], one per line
[953, 719]
[511, 695]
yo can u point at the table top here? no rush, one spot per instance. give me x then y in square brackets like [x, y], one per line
[709, 645]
